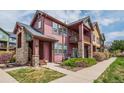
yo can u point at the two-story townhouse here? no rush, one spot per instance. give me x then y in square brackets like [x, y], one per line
[98, 38]
[47, 38]
[7, 40]
[80, 41]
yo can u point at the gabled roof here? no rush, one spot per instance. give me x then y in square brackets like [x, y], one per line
[83, 20]
[98, 29]
[30, 29]
[10, 34]
[60, 22]
[34, 32]
[79, 21]
[48, 16]
[4, 31]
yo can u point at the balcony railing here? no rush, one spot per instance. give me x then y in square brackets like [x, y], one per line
[73, 39]
[87, 38]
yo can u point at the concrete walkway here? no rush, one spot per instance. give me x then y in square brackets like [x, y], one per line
[57, 68]
[87, 75]
[6, 78]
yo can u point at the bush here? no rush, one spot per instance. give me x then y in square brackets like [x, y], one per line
[107, 54]
[120, 55]
[5, 56]
[71, 62]
[89, 61]
[13, 59]
[99, 56]
[79, 62]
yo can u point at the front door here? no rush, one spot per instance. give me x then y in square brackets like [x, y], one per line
[47, 51]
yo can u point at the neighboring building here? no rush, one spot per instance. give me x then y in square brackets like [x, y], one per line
[7, 40]
[98, 39]
[50, 39]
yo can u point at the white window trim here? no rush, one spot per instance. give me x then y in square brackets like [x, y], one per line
[39, 24]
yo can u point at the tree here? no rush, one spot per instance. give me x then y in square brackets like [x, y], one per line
[117, 45]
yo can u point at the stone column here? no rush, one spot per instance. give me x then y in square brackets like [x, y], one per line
[81, 42]
[35, 57]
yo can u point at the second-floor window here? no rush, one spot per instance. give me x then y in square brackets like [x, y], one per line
[93, 37]
[39, 24]
[55, 27]
[65, 31]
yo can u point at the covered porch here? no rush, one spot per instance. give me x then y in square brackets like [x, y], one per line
[41, 50]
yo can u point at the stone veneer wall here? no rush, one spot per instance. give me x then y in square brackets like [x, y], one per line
[22, 53]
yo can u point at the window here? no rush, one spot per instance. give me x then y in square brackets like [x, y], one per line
[39, 24]
[65, 31]
[93, 37]
[60, 30]
[19, 40]
[58, 48]
[55, 27]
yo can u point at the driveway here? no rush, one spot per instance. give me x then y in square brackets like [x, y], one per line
[86, 75]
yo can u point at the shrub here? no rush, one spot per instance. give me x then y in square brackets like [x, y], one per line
[120, 55]
[107, 54]
[13, 59]
[99, 56]
[89, 61]
[79, 62]
[5, 56]
[71, 62]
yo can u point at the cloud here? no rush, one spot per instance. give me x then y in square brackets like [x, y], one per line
[65, 15]
[108, 21]
[9, 18]
[114, 35]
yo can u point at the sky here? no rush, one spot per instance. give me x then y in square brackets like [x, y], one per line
[111, 22]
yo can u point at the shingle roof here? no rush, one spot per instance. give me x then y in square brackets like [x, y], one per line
[35, 32]
[11, 35]
[4, 31]
[80, 20]
[30, 29]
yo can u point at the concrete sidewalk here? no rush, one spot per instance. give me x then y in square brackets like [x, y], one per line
[6, 78]
[87, 75]
[56, 67]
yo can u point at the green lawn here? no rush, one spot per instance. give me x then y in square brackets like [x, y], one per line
[114, 73]
[31, 75]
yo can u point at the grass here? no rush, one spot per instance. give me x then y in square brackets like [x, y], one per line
[31, 75]
[114, 73]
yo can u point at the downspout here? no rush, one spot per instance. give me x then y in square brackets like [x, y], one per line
[8, 44]
[62, 46]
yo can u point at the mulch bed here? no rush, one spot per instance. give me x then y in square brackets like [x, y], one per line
[10, 65]
[72, 68]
